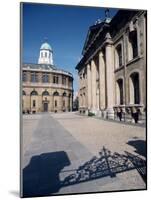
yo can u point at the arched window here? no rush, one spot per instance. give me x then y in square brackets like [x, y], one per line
[133, 47]
[23, 92]
[34, 93]
[119, 91]
[56, 94]
[45, 93]
[118, 56]
[134, 88]
[64, 94]
[45, 54]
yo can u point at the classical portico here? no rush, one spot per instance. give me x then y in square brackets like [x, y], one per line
[99, 78]
[111, 67]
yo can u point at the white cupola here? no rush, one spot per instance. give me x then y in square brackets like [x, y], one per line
[45, 56]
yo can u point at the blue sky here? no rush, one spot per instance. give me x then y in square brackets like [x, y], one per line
[66, 29]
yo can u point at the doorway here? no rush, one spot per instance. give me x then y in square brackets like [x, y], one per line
[45, 107]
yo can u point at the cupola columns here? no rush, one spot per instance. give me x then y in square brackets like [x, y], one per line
[46, 54]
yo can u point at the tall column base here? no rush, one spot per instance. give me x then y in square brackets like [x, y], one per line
[99, 113]
[87, 112]
[93, 110]
[110, 113]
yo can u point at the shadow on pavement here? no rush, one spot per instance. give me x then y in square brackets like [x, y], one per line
[139, 145]
[41, 176]
[107, 164]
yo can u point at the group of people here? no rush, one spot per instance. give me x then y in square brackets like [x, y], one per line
[134, 113]
[28, 112]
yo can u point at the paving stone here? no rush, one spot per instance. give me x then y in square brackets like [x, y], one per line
[71, 140]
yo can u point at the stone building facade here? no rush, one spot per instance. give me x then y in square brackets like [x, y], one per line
[112, 70]
[45, 88]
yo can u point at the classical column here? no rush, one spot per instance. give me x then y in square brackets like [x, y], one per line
[89, 86]
[84, 100]
[51, 102]
[109, 80]
[60, 103]
[80, 86]
[102, 81]
[70, 101]
[93, 85]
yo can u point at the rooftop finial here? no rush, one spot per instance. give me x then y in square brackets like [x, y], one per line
[107, 13]
[107, 16]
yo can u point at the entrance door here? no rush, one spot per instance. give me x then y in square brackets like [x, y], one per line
[45, 107]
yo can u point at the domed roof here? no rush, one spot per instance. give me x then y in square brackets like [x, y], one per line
[46, 46]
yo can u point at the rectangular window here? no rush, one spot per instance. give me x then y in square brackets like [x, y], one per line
[70, 82]
[63, 103]
[119, 55]
[34, 103]
[55, 103]
[45, 78]
[63, 80]
[34, 77]
[24, 76]
[55, 79]
[133, 43]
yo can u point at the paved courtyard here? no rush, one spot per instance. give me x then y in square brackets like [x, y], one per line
[56, 145]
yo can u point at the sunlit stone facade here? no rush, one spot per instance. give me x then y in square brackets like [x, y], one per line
[46, 88]
[112, 70]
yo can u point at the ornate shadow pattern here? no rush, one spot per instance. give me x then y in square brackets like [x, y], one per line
[107, 164]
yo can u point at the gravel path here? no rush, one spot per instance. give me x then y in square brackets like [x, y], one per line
[95, 133]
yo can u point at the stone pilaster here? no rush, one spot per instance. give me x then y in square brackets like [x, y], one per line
[102, 81]
[89, 86]
[71, 102]
[109, 79]
[93, 85]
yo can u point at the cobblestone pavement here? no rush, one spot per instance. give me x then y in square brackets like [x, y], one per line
[55, 145]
